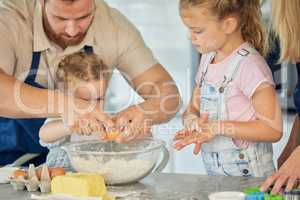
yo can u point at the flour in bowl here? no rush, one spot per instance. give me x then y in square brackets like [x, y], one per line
[115, 171]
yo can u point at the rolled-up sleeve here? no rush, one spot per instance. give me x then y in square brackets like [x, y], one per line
[7, 53]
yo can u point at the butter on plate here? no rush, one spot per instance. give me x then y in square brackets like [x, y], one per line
[80, 185]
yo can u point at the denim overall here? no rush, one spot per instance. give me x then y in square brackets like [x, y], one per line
[21, 136]
[222, 156]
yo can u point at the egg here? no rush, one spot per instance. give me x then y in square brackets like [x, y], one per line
[20, 173]
[112, 136]
[57, 171]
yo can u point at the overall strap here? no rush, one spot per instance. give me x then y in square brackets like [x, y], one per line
[235, 64]
[30, 79]
[230, 75]
[209, 57]
[88, 49]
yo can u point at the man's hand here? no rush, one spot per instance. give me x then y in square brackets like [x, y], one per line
[131, 124]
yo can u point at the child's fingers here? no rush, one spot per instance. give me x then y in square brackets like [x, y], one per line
[86, 131]
[188, 120]
[197, 148]
[80, 131]
[181, 134]
[94, 124]
[183, 143]
[189, 140]
[95, 128]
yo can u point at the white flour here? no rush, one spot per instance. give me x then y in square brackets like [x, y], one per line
[115, 171]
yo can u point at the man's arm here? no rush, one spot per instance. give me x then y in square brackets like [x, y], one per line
[20, 100]
[161, 95]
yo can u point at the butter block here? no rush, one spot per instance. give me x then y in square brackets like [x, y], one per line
[80, 185]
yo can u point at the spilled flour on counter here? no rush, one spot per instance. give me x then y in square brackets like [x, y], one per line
[115, 171]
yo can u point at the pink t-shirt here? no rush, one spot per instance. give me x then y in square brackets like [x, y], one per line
[253, 71]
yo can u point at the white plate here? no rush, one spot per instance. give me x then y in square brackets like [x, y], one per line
[5, 173]
[227, 196]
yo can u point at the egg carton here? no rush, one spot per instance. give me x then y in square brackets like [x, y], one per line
[31, 183]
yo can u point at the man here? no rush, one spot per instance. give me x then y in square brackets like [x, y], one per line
[36, 34]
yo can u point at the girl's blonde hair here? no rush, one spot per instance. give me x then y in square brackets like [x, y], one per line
[286, 16]
[249, 13]
[83, 66]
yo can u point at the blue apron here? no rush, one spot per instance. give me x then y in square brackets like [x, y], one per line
[21, 136]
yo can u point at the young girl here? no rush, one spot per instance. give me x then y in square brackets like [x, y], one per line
[82, 75]
[234, 115]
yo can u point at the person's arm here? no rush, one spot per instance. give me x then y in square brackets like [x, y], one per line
[266, 128]
[147, 77]
[24, 101]
[144, 73]
[53, 131]
[158, 89]
[268, 124]
[193, 109]
[161, 103]
[293, 143]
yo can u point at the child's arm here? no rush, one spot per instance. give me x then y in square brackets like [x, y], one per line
[193, 108]
[53, 131]
[268, 124]
[266, 128]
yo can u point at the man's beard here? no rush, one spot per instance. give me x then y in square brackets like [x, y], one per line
[63, 40]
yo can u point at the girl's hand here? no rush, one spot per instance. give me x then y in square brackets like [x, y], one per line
[185, 137]
[192, 124]
[288, 175]
[188, 120]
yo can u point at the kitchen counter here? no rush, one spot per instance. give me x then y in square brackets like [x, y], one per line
[163, 187]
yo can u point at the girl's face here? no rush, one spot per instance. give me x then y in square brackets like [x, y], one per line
[205, 31]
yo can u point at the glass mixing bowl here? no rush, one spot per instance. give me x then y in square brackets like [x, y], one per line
[119, 163]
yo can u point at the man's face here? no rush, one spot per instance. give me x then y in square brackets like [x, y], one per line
[66, 22]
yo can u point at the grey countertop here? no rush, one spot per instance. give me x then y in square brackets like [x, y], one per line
[163, 187]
